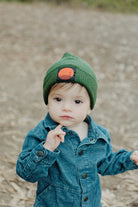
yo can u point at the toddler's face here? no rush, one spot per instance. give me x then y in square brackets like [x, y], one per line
[69, 105]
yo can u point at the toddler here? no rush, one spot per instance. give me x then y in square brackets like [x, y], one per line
[67, 150]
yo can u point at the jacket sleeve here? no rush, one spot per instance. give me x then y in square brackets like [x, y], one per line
[34, 160]
[115, 162]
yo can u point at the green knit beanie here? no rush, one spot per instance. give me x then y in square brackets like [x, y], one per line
[71, 68]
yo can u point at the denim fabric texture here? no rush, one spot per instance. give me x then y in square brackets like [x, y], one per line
[68, 177]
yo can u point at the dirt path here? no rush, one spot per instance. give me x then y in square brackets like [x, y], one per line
[32, 37]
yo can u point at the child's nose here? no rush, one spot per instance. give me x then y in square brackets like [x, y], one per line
[66, 106]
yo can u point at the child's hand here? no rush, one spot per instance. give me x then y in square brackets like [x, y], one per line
[54, 138]
[134, 157]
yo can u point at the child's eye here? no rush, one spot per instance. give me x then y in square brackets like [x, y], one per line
[58, 99]
[78, 101]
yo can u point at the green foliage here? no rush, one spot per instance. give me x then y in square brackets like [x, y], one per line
[118, 5]
[109, 5]
[113, 5]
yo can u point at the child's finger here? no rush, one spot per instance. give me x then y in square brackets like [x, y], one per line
[58, 127]
[59, 130]
[61, 137]
[59, 133]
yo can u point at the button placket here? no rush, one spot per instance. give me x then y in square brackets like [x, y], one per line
[83, 174]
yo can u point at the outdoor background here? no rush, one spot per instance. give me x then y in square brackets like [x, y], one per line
[33, 35]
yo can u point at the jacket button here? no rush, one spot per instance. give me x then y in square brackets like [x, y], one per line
[91, 140]
[40, 153]
[85, 199]
[84, 176]
[80, 152]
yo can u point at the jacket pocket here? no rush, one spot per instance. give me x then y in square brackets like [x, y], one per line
[55, 196]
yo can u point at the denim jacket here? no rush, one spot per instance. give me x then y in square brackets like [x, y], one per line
[69, 175]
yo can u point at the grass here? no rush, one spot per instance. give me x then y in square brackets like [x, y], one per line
[124, 6]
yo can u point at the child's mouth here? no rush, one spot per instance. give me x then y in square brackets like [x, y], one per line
[66, 117]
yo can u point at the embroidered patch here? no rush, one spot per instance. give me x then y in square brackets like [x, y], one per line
[66, 74]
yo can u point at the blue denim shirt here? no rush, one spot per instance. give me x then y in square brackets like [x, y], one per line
[69, 175]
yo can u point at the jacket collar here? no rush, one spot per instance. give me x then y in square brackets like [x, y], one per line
[49, 123]
[94, 132]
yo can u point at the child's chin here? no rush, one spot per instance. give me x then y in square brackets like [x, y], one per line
[64, 123]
